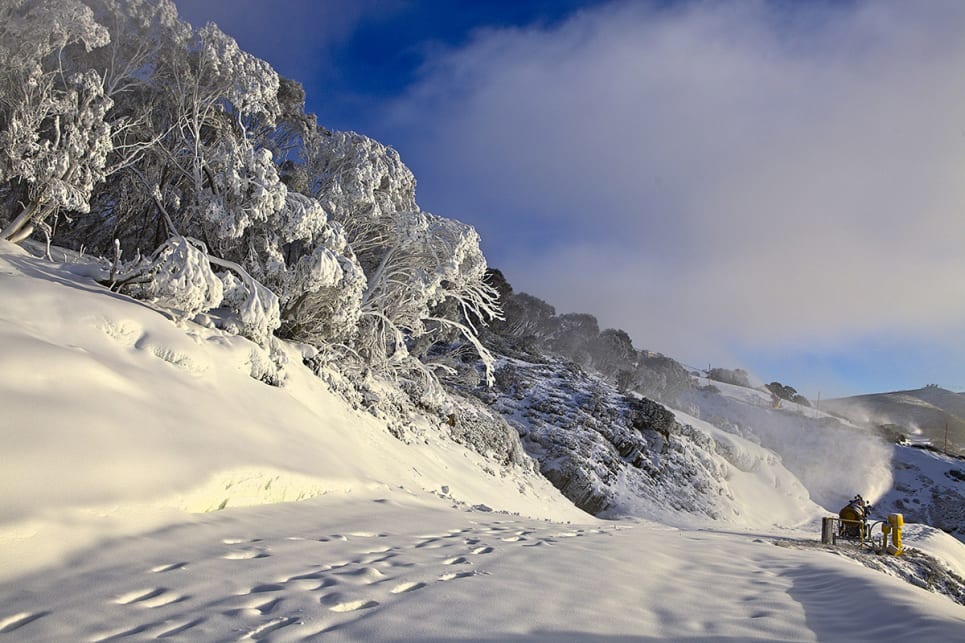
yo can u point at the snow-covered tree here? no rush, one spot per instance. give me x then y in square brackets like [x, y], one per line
[199, 157]
[54, 136]
[611, 352]
[74, 108]
[211, 175]
[414, 262]
[307, 260]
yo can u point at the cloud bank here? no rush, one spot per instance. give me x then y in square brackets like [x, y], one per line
[715, 175]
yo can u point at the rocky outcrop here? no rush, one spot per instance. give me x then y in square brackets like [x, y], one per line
[928, 488]
[609, 453]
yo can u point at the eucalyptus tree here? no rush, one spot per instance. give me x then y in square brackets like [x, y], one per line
[54, 134]
[414, 262]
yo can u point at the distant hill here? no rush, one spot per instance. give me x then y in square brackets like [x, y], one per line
[920, 414]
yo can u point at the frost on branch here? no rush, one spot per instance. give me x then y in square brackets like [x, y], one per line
[241, 189]
[321, 291]
[179, 276]
[248, 83]
[415, 263]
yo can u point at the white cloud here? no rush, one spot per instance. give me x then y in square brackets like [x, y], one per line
[716, 175]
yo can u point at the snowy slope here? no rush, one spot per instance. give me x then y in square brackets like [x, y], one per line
[114, 416]
[832, 458]
[921, 415]
[929, 488]
[618, 455]
[119, 425]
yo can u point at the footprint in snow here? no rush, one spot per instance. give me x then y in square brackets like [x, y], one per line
[366, 575]
[407, 587]
[16, 621]
[170, 567]
[156, 597]
[352, 606]
[266, 587]
[458, 560]
[245, 554]
[336, 602]
[374, 550]
[181, 628]
[262, 631]
[453, 576]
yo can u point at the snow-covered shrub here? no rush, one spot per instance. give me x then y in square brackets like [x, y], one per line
[785, 392]
[661, 378]
[472, 423]
[177, 276]
[611, 351]
[268, 366]
[257, 306]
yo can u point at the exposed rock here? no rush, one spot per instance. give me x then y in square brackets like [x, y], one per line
[605, 451]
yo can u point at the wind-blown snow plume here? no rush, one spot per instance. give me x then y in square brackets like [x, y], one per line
[832, 459]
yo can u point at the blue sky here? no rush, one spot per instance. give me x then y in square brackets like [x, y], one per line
[778, 186]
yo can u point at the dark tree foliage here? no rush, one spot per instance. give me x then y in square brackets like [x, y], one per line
[531, 327]
[788, 393]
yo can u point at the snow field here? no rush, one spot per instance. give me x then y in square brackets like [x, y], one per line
[401, 569]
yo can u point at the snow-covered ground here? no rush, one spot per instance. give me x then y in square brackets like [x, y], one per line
[388, 569]
[145, 485]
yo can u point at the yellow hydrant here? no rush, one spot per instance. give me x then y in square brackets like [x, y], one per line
[895, 523]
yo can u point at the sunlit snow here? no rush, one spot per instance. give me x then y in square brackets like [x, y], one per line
[147, 492]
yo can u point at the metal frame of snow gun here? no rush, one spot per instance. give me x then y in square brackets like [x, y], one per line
[892, 526]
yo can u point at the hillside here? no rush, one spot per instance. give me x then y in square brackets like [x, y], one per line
[836, 459]
[118, 418]
[142, 450]
[920, 414]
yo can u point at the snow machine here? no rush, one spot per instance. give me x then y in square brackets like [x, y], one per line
[852, 524]
[853, 518]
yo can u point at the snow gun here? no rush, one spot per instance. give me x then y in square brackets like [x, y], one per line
[852, 524]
